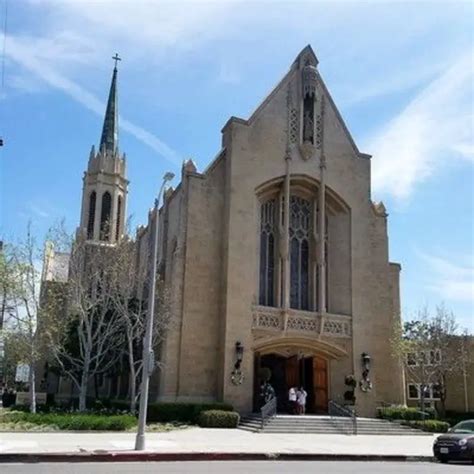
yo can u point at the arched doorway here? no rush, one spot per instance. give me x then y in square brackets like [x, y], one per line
[295, 362]
[310, 372]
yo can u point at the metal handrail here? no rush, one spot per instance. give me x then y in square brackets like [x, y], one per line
[336, 410]
[268, 410]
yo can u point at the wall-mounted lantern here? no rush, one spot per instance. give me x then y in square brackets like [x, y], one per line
[365, 384]
[239, 354]
[237, 377]
[365, 361]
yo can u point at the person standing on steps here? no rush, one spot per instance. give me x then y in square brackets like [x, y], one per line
[301, 396]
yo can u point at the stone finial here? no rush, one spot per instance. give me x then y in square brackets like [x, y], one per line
[189, 166]
[168, 192]
[379, 209]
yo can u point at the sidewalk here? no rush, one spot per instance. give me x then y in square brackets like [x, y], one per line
[213, 443]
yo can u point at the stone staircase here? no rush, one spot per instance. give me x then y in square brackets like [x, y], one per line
[325, 425]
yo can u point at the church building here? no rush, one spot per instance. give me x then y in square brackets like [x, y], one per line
[275, 256]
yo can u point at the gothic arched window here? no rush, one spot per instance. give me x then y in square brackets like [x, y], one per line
[267, 252]
[105, 216]
[299, 232]
[119, 216]
[91, 216]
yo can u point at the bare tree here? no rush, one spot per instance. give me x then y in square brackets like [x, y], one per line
[452, 347]
[87, 340]
[431, 350]
[129, 293]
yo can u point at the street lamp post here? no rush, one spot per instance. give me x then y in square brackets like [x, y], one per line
[148, 356]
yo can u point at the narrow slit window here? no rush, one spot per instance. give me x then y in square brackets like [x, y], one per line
[91, 216]
[105, 216]
[119, 216]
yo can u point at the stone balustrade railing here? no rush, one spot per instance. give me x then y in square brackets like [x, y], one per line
[309, 322]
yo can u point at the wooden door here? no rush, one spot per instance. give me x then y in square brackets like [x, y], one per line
[292, 372]
[320, 384]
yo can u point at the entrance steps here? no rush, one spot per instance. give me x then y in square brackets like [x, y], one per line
[325, 425]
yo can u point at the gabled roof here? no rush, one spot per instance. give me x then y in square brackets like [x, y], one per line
[305, 54]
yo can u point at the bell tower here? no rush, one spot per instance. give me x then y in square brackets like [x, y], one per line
[104, 191]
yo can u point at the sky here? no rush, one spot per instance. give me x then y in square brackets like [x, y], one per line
[401, 74]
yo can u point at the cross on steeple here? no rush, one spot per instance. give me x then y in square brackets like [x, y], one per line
[109, 138]
[116, 58]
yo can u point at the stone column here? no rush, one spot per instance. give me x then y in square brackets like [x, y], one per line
[113, 213]
[322, 236]
[322, 217]
[286, 238]
[99, 190]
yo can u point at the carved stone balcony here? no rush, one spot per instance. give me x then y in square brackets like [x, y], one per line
[278, 320]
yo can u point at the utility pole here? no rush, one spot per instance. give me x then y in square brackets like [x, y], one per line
[148, 356]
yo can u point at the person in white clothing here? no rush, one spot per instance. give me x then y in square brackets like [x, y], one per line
[292, 400]
[301, 396]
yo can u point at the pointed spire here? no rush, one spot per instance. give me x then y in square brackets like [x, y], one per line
[109, 138]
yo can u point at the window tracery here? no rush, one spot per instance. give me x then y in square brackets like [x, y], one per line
[300, 225]
[303, 270]
[267, 253]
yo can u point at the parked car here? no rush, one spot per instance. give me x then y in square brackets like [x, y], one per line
[457, 444]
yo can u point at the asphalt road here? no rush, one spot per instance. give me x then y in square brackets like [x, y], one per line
[239, 467]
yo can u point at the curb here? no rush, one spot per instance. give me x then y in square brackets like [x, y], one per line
[132, 456]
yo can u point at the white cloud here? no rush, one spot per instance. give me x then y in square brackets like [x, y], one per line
[434, 127]
[151, 36]
[20, 52]
[450, 278]
[384, 82]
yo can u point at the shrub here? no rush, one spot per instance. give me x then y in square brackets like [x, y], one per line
[219, 419]
[8, 399]
[157, 412]
[120, 405]
[402, 413]
[76, 422]
[433, 426]
[182, 412]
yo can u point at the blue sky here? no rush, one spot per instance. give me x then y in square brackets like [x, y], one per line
[401, 74]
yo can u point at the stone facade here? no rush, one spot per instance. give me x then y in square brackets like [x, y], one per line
[276, 248]
[210, 256]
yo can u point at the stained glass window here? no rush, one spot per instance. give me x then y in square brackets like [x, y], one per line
[300, 224]
[267, 253]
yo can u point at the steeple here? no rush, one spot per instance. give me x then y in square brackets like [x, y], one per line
[109, 138]
[104, 194]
